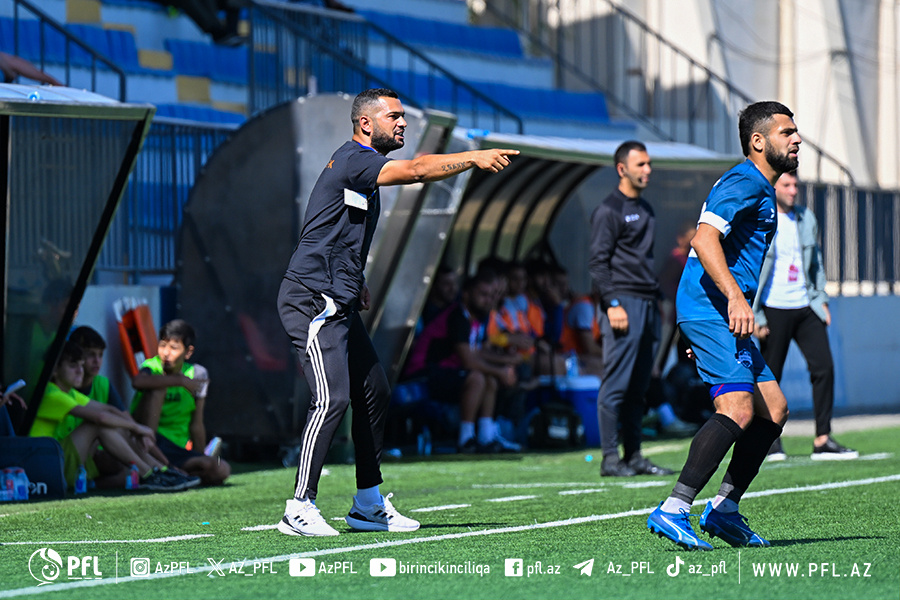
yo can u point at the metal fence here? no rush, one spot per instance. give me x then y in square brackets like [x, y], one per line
[859, 233]
[644, 76]
[31, 34]
[297, 50]
[142, 239]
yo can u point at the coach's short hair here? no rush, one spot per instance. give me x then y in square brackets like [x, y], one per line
[621, 155]
[367, 99]
[757, 118]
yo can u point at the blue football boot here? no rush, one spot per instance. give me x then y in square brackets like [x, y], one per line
[677, 528]
[731, 527]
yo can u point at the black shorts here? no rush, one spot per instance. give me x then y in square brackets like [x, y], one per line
[176, 454]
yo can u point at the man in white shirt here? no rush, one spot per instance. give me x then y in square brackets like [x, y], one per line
[792, 305]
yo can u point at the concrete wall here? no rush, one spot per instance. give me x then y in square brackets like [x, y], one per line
[866, 354]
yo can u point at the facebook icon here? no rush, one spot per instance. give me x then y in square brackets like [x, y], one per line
[514, 567]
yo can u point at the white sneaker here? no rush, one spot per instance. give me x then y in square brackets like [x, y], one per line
[379, 517]
[301, 517]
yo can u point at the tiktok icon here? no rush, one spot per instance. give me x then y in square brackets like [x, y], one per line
[672, 570]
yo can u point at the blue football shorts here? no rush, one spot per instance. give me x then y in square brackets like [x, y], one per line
[723, 359]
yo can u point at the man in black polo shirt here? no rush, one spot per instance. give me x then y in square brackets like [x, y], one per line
[322, 293]
[621, 267]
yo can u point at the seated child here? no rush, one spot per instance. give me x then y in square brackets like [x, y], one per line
[80, 424]
[170, 399]
[97, 387]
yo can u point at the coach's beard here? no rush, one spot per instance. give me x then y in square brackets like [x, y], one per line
[385, 142]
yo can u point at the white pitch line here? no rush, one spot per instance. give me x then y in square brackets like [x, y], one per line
[259, 527]
[511, 498]
[437, 508]
[588, 491]
[514, 486]
[646, 484]
[177, 538]
[805, 461]
[30, 591]
[877, 456]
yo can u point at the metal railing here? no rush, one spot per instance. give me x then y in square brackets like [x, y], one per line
[859, 233]
[143, 238]
[55, 45]
[298, 50]
[645, 76]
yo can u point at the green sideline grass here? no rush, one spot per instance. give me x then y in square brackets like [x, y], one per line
[829, 542]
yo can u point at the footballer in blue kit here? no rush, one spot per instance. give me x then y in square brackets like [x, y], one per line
[736, 225]
[741, 206]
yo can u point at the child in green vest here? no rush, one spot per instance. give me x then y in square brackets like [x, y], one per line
[170, 399]
[97, 387]
[79, 424]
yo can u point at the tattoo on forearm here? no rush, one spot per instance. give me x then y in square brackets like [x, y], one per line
[453, 167]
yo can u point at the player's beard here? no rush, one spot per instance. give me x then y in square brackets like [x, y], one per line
[384, 141]
[781, 163]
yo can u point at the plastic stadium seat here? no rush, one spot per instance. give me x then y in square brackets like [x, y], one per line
[427, 32]
[203, 114]
[136, 332]
[95, 37]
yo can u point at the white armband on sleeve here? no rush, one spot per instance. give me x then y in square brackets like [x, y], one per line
[716, 221]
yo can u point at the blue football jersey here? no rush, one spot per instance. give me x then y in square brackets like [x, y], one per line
[741, 205]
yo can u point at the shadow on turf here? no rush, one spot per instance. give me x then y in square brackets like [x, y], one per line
[436, 526]
[783, 543]
[786, 543]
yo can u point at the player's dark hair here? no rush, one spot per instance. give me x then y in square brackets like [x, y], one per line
[444, 269]
[485, 276]
[621, 155]
[71, 352]
[366, 100]
[493, 265]
[178, 330]
[88, 338]
[757, 118]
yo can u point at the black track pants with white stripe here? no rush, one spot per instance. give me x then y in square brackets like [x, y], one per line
[342, 369]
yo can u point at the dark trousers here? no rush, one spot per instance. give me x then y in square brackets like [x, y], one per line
[342, 370]
[628, 362]
[804, 327]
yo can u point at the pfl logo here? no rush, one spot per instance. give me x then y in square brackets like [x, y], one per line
[45, 565]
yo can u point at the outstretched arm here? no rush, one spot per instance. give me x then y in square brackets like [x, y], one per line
[14, 66]
[434, 167]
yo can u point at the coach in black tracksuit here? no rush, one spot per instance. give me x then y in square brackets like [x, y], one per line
[323, 291]
[621, 266]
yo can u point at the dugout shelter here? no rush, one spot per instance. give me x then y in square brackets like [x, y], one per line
[247, 206]
[66, 157]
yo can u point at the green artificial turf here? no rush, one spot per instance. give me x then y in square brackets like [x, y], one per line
[833, 527]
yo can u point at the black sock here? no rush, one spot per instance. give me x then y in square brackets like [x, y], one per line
[710, 445]
[749, 453]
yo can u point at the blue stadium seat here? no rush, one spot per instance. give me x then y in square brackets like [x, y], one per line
[7, 33]
[93, 36]
[190, 58]
[199, 59]
[203, 114]
[144, 4]
[489, 40]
